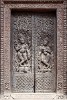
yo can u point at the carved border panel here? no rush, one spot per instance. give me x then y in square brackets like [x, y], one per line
[33, 1]
[7, 13]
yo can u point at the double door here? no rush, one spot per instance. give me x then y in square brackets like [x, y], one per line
[33, 42]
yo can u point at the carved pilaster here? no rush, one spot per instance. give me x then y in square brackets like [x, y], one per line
[2, 49]
[65, 46]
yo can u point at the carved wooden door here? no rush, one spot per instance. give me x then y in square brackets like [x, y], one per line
[33, 50]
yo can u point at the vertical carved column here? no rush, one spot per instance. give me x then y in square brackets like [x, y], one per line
[2, 56]
[60, 50]
[6, 49]
[65, 46]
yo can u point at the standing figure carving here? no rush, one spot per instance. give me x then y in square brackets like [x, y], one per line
[45, 56]
[23, 55]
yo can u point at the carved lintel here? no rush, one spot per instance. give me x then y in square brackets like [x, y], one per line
[31, 1]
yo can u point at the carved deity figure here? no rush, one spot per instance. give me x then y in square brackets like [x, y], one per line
[23, 55]
[45, 57]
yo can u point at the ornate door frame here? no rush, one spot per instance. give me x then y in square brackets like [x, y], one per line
[6, 40]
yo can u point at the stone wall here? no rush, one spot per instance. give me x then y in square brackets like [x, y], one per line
[60, 95]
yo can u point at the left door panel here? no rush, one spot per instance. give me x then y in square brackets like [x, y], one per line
[21, 48]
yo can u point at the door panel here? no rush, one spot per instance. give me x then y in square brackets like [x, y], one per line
[23, 76]
[33, 41]
[45, 52]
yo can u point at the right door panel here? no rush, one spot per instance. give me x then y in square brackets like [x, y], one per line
[45, 52]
